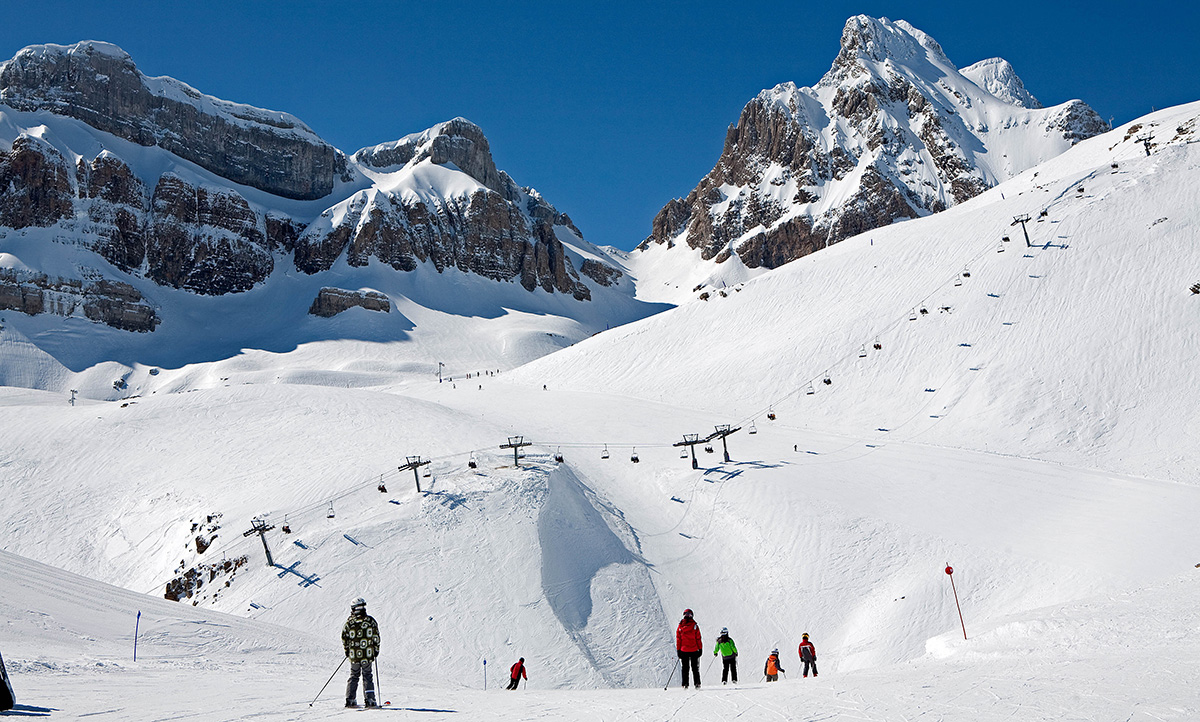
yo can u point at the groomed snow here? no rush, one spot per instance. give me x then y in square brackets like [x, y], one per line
[1051, 462]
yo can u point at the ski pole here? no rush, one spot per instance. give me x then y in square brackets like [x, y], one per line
[339, 667]
[668, 684]
[378, 694]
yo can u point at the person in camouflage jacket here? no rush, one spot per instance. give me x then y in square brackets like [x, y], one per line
[360, 640]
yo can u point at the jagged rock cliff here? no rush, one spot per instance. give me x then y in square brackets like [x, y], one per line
[185, 219]
[892, 131]
[99, 84]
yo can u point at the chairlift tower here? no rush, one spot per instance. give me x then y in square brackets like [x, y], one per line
[1146, 140]
[516, 443]
[723, 431]
[690, 441]
[414, 463]
[261, 527]
[1023, 219]
[440, 367]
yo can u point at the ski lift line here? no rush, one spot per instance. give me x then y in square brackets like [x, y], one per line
[898, 321]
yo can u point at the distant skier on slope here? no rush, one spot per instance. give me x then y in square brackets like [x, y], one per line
[772, 669]
[808, 655]
[728, 652]
[360, 640]
[517, 672]
[689, 647]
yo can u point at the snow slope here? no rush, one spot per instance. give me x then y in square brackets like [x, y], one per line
[1077, 349]
[1061, 496]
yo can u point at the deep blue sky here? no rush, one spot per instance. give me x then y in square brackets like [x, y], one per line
[609, 109]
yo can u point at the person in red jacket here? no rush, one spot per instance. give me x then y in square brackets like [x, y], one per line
[808, 655]
[689, 646]
[517, 672]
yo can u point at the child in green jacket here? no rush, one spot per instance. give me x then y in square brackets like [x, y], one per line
[728, 652]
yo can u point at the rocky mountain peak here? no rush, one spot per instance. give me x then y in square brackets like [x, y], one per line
[458, 142]
[892, 131]
[867, 40]
[996, 75]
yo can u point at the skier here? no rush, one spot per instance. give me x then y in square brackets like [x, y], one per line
[772, 668]
[517, 672]
[808, 655]
[728, 652]
[689, 647]
[360, 640]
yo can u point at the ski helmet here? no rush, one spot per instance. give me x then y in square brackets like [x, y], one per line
[775, 651]
[805, 635]
[358, 603]
[724, 630]
[687, 612]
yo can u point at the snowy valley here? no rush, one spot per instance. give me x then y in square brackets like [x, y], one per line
[935, 391]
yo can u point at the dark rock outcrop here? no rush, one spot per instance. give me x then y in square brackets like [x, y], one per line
[332, 301]
[35, 185]
[99, 84]
[205, 240]
[109, 302]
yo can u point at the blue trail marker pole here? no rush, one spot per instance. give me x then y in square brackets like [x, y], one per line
[136, 625]
[485, 675]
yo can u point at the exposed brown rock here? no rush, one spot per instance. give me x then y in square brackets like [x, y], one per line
[332, 301]
[101, 86]
[35, 185]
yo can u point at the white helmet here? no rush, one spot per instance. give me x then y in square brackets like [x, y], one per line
[360, 602]
[724, 630]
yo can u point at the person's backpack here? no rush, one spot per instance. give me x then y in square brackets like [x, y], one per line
[8, 700]
[772, 665]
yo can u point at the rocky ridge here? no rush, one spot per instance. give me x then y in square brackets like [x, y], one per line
[892, 131]
[433, 199]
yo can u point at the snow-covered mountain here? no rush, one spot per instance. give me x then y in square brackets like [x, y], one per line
[1034, 427]
[121, 191]
[893, 131]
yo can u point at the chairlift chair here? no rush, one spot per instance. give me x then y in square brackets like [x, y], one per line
[753, 430]
[604, 454]
[958, 282]
[330, 515]
[634, 457]
[862, 352]
[877, 346]
[770, 415]
[1000, 249]
[682, 453]
[708, 448]
[472, 463]
[558, 457]
[427, 473]
[827, 381]
[966, 273]
[912, 316]
[286, 528]
[810, 391]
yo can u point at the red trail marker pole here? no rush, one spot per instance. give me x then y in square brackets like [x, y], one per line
[950, 573]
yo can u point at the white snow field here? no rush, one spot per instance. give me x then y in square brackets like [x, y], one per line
[1039, 435]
